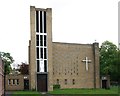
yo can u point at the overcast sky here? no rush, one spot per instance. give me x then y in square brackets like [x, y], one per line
[73, 21]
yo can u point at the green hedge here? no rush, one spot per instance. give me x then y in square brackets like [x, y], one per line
[56, 86]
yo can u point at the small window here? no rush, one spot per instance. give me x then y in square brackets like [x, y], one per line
[57, 81]
[9, 81]
[17, 81]
[73, 81]
[13, 81]
[65, 81]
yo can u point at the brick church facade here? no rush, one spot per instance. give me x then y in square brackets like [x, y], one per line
[68, 64]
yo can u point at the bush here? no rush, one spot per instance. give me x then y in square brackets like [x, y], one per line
[56, 86]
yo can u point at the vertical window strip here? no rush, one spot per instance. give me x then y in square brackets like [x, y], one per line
[45, 53]
[44, 21]
[45, 65]
[41, 40]
[45, 40]
[37, 51]
[37, 21]
[41, 53]
[38, 66]
[41, 30]
[37, 40]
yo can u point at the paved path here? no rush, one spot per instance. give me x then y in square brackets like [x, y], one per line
[8, 93]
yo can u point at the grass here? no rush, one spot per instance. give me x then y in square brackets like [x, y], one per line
[113, 90]
[26, 93]
[74, 92]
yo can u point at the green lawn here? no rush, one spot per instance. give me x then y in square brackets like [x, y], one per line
[26, 93]
[85, 91]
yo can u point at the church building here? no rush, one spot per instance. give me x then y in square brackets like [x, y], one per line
[70, 65]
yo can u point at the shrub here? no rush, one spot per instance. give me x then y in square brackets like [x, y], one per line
[56, 86]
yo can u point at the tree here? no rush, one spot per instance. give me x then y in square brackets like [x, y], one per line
[108, 59]
[24, 69]
[7, 60]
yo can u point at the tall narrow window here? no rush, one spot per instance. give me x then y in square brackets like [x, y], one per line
[13, 81]
[45, 39]
[9, 81]
[41, 53]
[73, 81]
[44, 22]
[17, 82]
[41, 30]
[41, 40]
[37, 21]
[65, 81]
[37, 52]
[57, 81]
[38, 66]
[45, 53]
[45, 65]
[37, 40]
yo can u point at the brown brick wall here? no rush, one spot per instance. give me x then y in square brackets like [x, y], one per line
[15, 86]
[1, 77]
[67, 64]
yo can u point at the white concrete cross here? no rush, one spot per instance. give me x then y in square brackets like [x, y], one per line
[86, 62]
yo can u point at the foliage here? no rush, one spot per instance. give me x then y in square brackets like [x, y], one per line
[7, 60]
[56, 86]
[109, 59]
[24, 69]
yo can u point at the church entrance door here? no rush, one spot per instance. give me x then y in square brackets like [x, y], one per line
[42, 82]
[26, 84]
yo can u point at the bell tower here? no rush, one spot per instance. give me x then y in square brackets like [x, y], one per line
[40, 49]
